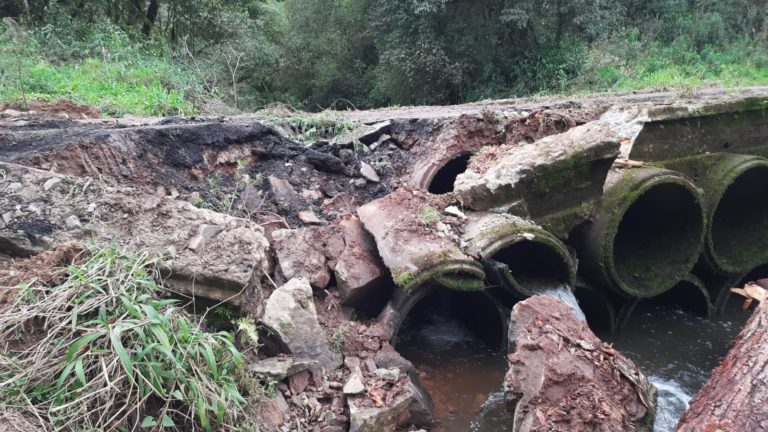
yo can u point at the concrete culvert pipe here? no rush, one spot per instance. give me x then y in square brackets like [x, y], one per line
[518, 254]
[737, 211]
[443, 180]
[646, 233]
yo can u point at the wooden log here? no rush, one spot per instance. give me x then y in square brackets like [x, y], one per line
[735, 398]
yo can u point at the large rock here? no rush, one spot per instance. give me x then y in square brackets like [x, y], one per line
[553, 181]
[290, 313]
[359, 271]
[561, 377]
[303, 253]
[208, 254]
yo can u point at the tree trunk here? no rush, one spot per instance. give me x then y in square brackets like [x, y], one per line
[736, 396]
[149, 22]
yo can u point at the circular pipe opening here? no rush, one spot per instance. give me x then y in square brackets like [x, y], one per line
[534, 265]
[658, 239]
[473, 312]
[739, 228]
[444, 179]
[686, 295]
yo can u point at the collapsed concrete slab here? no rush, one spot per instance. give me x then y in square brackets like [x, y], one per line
[554, 181]
[562, 377]
[208, 254]
[418, 242]
[290, 314]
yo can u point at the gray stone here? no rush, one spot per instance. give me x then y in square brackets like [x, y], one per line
[354, 384]
[283, 190]
[252, 198]
[278, 368]
[352, 363]
[290, 313]
[51, 183]
[309, 218]
[73, 222]
[370, 365]
[368, 172]
[391, 359]
[14, 187]
[389, 375]
[374, 132]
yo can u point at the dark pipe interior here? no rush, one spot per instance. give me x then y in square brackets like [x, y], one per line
[685, 296]
[473, 310]
[534, 265]
[445, 177]
[595, 308]
[656, 236]
[740, 223]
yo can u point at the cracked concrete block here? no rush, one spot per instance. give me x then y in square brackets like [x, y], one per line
[554, 181]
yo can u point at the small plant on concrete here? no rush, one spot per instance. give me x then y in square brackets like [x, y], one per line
[428, 216]
[339, 338]
[405, 279]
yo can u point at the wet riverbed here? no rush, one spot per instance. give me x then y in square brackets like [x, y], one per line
[463, 373]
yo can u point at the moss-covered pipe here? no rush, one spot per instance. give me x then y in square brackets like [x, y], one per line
[518, 254]
[646, 233]
[736, 209]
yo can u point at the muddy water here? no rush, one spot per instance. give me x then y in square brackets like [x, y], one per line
[463, 374]
[677, 349]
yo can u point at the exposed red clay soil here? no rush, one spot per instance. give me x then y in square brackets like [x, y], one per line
[61, 108]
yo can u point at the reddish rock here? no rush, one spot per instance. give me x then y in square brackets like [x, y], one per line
[359, 270]
[563, 378]
[299, 382]
[300, 253]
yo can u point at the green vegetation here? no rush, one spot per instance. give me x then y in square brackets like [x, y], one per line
[165, 57]
[428, 216]
[103, 351]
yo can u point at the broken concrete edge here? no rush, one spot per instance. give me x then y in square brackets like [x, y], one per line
[657, 113]
[622, 189]
[714, 174]
[539, 179]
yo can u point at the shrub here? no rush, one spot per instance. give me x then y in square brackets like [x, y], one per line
[107, 352]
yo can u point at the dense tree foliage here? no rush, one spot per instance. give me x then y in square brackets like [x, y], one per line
[320, 53]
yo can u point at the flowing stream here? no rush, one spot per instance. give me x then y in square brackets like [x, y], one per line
[464, 373]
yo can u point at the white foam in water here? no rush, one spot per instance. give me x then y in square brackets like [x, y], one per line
[566, 296]
[671, 404]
